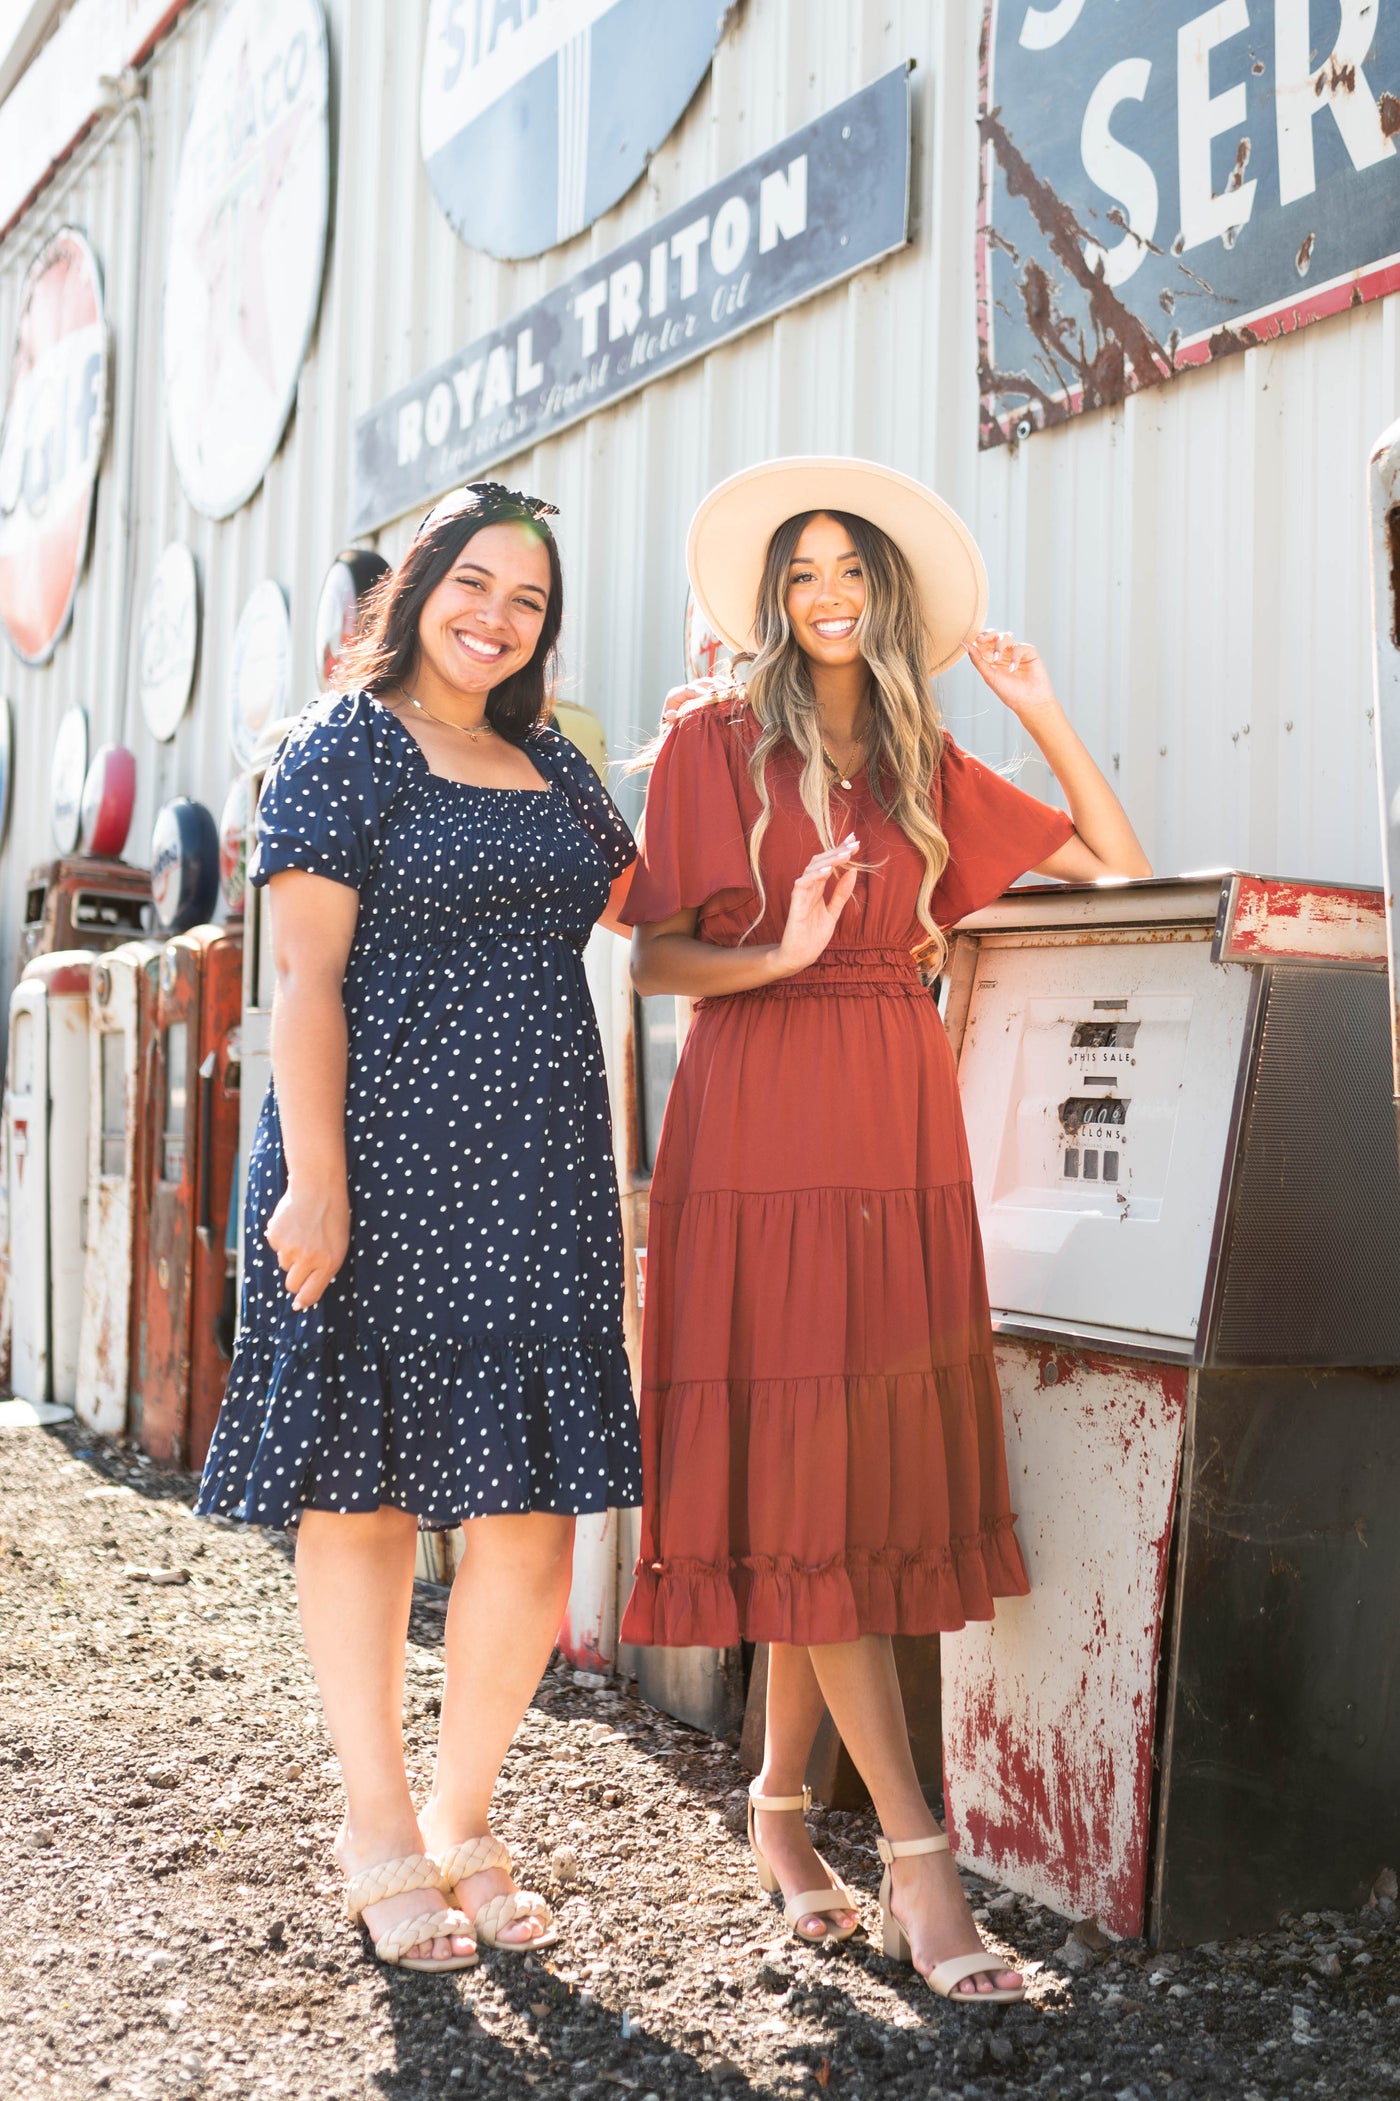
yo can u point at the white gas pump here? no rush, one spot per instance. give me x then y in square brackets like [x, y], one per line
[46, 1139]
[123, 985]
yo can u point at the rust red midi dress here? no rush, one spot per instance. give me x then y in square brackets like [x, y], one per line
[821, 1430]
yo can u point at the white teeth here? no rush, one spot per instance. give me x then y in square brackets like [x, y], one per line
[834, 627]
[478, 648]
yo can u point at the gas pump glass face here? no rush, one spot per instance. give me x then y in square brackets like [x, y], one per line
[22, 1069]
[113, 1058]
[172, 1168]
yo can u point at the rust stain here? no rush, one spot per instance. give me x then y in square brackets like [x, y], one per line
[1390, 114]
[1236, 176]
[1392, 539]
[1335, 79]
[1121, 340]
[1303, 258]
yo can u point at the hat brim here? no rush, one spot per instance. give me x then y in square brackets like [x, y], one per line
[729, 537]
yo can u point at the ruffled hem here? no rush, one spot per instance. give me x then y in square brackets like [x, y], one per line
[695, 1604]
[483, 1427]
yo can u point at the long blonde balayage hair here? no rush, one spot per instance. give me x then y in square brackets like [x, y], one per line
[905, 739]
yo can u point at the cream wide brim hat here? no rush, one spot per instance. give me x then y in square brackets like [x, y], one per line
[729, 537]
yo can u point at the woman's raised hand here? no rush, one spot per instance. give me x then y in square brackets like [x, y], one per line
[309, 1234]
[819, 896]
[1014, 670]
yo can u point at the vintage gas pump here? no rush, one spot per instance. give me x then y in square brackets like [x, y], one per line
[80, 902]
[46, 1138]
[187, 1332]
[1179, 1112]
[122, 993]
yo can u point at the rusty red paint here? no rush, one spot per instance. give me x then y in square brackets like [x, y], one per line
[1278, 921]
[67, 976]
[1390, 114]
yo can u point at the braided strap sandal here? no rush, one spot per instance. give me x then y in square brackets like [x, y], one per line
[820, 1902]
[474, 1856]
[390, 1879]
[945, 1977]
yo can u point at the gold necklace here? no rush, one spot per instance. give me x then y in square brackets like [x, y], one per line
[838, 773]
[472, 730]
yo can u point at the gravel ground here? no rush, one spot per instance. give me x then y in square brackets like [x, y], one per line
[170, 1921]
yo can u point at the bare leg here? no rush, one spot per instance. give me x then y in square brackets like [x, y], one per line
[354, 1584]
[794, 1711]
[508, 1601]
[861, 1687]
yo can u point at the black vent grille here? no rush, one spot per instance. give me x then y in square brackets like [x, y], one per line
[1312, 1261]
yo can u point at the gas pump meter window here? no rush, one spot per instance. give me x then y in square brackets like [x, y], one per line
[172, 1166]
[657, 1037]
[22, 1068]
[112, 1053]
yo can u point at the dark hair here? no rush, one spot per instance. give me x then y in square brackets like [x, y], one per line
[387, 648]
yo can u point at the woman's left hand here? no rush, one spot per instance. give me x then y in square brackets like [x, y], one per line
[1014, 670]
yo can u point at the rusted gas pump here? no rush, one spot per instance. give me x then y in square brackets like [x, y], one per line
[120, 1009]
[46, 1138]
[192, 1123]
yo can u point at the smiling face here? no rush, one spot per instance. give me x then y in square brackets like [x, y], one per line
[825, 594]
[482, 622]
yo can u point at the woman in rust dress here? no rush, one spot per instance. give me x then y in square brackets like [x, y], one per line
[821, 1426]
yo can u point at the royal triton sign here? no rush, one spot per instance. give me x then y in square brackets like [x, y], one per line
[1164, 184]
[827, 201]
[538, 115]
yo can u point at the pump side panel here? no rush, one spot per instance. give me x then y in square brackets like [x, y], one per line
[1048, 1711]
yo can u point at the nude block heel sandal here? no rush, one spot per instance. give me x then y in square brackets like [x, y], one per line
[473, 1857]
[835, 1897]
[944, 1977]
[390, 1879]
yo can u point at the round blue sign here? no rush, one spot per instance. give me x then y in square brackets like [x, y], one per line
[538, 115]
[184, 865]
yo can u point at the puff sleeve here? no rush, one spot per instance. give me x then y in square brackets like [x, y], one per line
[995, 832]
[693, 841]
[320, 803]
[588, 798]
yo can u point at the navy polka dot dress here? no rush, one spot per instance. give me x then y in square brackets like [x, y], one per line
[468, 1358]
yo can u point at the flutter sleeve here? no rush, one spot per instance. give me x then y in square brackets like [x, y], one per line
[589, 799]
[995, 832]
[693, 842]
[320, 803]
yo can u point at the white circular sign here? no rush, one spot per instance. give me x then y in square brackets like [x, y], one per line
[534, 119]
[169, 641]
[247, 246]
[260, 669]
[67, 777]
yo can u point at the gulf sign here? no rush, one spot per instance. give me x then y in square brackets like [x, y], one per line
[1165, 185]
[538, 115]
[51, 442]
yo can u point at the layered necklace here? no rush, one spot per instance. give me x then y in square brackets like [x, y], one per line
[841, 775]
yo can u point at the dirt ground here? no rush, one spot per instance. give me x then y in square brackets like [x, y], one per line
[169, 1913]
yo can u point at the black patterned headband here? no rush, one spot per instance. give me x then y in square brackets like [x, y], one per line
[491, 499]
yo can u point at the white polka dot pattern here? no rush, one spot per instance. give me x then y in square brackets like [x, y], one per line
[468, 1359]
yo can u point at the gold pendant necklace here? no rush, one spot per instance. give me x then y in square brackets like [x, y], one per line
[836, 770]
[472, 730]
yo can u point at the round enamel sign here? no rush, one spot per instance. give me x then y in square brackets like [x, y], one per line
[247, 246]
[109, 796]
[260, 668]
[169, 641]
[706, 654]
[534, 120]
[67, 777]
[350, 576]
[51, 442]
[233, 842]
[184, 865]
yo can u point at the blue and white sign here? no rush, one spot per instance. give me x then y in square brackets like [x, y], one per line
[823, 203]
[1163, 185]
[537, 115]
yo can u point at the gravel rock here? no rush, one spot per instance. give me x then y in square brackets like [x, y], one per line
[172, 1910]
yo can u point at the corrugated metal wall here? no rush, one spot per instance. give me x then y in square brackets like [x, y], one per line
[1192, 564]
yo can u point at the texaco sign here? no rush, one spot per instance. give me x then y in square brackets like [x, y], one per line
[537, 115]
[247, 246]
[51, 443]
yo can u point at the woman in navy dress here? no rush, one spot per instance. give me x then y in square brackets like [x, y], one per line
[432, 1312]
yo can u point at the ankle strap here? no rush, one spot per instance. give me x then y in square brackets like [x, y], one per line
[890, 1849]
[802, 1801]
